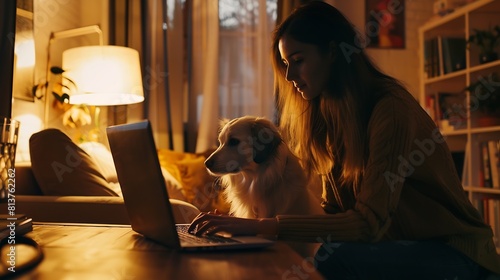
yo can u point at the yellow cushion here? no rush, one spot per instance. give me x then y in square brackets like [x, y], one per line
[197, 183]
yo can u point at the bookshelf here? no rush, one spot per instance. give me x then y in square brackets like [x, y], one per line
[447, 69]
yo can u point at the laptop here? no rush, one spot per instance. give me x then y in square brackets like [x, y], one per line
[146, 198]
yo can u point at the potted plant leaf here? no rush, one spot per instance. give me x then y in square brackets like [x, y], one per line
[485, 99]
[74, 115]
[58, 88]
[487, 41]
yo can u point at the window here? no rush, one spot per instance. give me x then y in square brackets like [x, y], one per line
[245, 71]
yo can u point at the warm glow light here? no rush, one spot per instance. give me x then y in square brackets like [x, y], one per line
[29, 124]
[25, 52]
[103, 75]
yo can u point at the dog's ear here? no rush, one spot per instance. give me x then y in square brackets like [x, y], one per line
[222, 123]
[266, 140]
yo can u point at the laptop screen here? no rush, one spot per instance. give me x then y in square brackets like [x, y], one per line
[141, 180]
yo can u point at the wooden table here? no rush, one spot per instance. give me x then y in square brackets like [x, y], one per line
[117, 252]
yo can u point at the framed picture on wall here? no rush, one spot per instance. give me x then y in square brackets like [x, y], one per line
[385, 23]
[24, 52]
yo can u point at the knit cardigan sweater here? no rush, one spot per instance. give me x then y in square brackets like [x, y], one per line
[410, 191]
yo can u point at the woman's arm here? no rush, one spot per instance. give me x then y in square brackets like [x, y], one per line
[210, 223]
[391, 135]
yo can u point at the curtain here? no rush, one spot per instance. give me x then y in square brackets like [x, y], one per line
[204, 101]
[202, 61]
[155, 29]
[175, 24]
[232, 74]
[156, 72]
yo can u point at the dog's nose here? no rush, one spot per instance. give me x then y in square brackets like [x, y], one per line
[209, 163]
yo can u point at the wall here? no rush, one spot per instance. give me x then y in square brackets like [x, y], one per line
[57, 15]
[402, 64]
[52, 16]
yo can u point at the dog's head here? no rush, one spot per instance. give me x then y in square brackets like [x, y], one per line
[243, 142]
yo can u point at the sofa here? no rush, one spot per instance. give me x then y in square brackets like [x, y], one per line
[70, 183]
[30, 200]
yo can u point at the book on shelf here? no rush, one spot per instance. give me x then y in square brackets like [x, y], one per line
[443, 55]
[494, 163]
[431, 57]
[490, 164]
[485, 160]
[489, 209]
[452, 54]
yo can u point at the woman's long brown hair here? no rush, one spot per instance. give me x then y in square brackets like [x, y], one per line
[330, 130]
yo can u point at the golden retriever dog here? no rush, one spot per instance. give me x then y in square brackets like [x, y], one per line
[259, 175]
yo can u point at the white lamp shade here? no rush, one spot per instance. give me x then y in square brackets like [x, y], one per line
[103, 75]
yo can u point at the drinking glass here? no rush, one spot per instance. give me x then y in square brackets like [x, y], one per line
[9, 131]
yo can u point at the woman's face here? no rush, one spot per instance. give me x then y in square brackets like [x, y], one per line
[307, 67]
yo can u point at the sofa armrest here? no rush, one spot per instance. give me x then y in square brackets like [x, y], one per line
[87, 209]
[26, 183]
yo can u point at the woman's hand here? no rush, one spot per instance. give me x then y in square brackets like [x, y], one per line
[211, 223]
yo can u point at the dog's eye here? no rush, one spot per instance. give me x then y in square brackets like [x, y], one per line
[233, 142]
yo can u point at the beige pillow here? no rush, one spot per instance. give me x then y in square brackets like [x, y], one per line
[103, 159]
[62, 168]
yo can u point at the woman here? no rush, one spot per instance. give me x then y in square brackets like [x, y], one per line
[396, 207]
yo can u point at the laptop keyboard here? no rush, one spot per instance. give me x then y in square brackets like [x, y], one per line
[185, 236]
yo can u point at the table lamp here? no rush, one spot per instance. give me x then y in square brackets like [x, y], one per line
[100, 75]
[103, 75]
